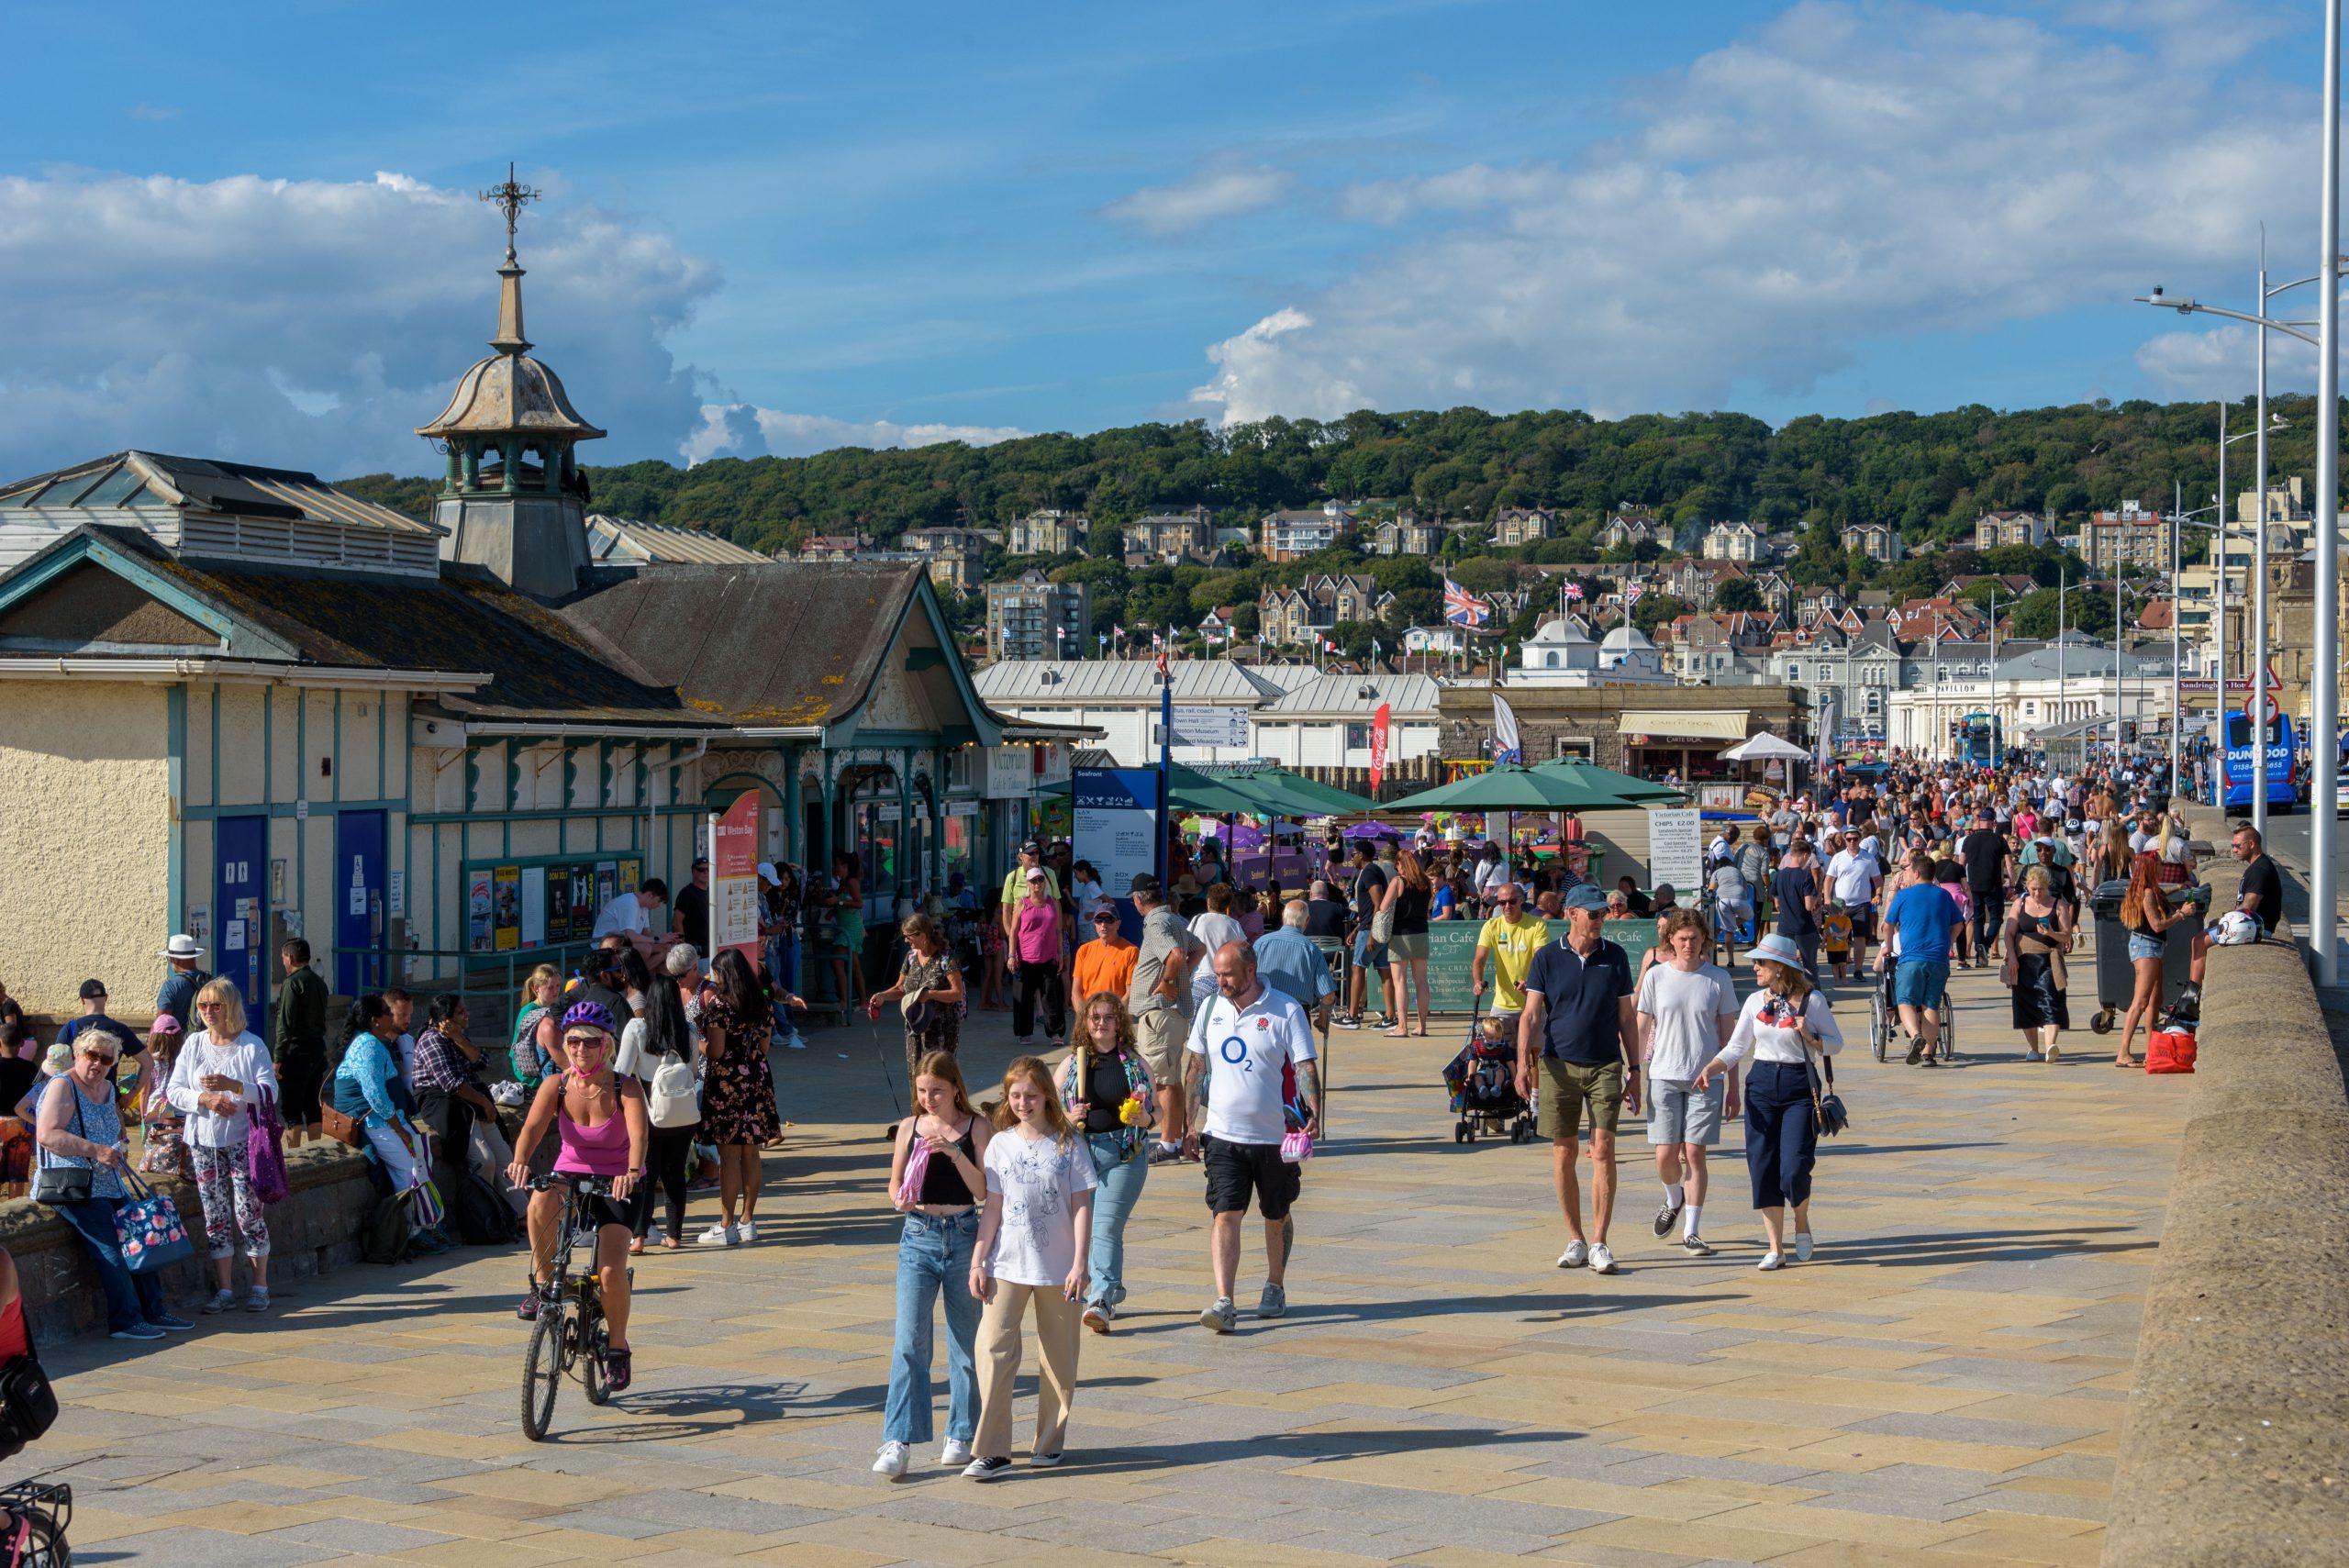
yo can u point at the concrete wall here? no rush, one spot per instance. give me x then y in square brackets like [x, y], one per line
[311, 1233]
[84, 839]
[2235, 1452]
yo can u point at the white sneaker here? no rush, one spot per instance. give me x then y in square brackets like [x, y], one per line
[892, 1462]
[1772, 1261]
[1802, 1246]
[748, 1232]
[1575, 1256]
[956, 1452]
[720, 1235]
[1602, 1262]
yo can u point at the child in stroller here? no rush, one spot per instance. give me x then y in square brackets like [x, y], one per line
[1483, 1081]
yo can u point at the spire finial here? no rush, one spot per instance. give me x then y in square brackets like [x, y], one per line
[510, 198]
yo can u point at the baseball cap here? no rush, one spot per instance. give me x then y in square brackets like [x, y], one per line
[1143, 884]
[1036, 873]
[1031, 847]
[93, 989]
[766, 868]
[701, 862]
[1583, 895]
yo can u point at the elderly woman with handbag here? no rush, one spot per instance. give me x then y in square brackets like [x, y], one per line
[82, 1176]
[2038, 934]
[1783, 1026]
[219, 1072]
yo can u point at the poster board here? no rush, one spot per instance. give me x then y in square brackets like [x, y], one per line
[1114, 822]
[1676, 847]
[1453, 943]
[734, 878]
[547, 902]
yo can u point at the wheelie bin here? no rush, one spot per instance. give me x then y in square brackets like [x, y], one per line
[2116, 977]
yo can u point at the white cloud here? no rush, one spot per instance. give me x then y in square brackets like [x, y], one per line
[2218, 364]
[742, 430]
[1211, 194]
[313, 324]
[1847, 172]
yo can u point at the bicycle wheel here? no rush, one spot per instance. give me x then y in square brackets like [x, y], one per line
[593, 1339]
[542, 1371]
[1879, 1025]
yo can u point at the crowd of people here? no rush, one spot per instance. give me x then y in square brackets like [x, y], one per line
[649, 1064]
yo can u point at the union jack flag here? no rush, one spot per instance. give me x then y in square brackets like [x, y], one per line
[1631, 592]
[1462, 608]
[1574, 590]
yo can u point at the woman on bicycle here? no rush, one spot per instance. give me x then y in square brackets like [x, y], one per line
[600, 1120]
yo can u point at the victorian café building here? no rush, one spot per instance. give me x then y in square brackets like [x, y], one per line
[246, 705]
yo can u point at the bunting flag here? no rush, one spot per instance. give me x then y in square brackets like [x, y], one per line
[1462, 608]
[1507, 748]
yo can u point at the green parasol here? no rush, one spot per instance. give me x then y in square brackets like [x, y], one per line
[1511, 788]
[1626, 789]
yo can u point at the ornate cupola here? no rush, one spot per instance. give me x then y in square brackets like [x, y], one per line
[513, 501]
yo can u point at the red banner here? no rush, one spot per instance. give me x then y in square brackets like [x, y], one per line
[1380, 723]
[734, 878]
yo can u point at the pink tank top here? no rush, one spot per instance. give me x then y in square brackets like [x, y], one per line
[600, 1150]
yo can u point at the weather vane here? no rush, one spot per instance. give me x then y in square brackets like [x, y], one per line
[510, 198]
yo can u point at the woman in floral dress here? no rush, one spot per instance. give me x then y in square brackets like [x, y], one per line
[738, 1095]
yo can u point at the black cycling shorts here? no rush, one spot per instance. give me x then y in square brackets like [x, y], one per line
[1236, 1170]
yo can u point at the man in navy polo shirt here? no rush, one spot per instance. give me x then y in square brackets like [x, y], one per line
[1578, 1023]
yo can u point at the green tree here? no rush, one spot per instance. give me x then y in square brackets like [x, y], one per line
[1656, 609]
[1737, 593]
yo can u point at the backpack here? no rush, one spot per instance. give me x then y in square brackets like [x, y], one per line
[482, 1218]
[670, 1101]
[384, 1238]
[27, 1403]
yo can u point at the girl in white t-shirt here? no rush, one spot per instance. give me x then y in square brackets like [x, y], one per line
[1033, 1241]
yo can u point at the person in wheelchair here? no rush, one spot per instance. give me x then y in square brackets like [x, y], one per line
[1921, 924]
[600, 1120]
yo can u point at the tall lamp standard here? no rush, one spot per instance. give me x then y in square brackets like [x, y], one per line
[2180, 521]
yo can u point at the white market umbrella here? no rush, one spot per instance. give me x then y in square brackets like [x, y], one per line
[1763, 747]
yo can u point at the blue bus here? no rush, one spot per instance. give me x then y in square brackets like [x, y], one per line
[2283, 764]
[1979, 740]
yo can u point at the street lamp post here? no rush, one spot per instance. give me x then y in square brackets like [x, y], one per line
[2324, 710]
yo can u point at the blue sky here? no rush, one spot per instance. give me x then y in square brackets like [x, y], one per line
[248, 232]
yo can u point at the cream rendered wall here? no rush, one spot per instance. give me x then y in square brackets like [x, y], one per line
[85, 839]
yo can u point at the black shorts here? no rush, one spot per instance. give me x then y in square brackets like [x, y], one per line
[598, 1212]
[301, 1076]
[1863, 920]
[1235, 1170]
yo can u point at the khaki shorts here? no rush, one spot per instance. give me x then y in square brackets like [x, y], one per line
[1159, 1035]
[1568, 1086]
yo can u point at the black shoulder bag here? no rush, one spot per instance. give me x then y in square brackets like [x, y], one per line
[1825, 1103]
[61, 1185]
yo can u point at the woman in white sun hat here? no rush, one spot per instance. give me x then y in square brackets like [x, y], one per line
[1780, 1026]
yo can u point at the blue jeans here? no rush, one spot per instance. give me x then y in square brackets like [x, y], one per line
[131, 1299]
[933, 1259]
[1121, 1189]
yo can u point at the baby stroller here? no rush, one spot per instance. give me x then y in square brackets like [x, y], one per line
[1483, 1081]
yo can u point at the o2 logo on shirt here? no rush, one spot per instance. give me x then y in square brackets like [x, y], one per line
[1234, 1049]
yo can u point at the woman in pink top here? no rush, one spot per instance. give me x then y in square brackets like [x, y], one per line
[1039, 965]
[599, 1119]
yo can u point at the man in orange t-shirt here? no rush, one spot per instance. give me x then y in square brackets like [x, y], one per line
[1104, 964]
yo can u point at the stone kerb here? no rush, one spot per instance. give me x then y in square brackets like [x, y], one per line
[315, 1230]
[2235, 1451]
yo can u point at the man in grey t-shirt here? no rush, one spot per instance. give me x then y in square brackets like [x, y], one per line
[1160, 1000]
[1686, 1007]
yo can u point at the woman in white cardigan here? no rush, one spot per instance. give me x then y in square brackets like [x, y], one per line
[222, 1069]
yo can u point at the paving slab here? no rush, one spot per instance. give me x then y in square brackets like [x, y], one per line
[1943, 1384]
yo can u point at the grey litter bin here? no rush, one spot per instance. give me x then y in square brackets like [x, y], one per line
[2116, 977]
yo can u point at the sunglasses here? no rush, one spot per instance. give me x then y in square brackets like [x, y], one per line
[584, 1041]
[102, 1058]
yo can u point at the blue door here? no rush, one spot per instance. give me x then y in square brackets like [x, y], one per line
[359, 903]
[241, 911]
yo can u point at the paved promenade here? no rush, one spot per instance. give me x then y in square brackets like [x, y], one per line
[1943, 1386]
